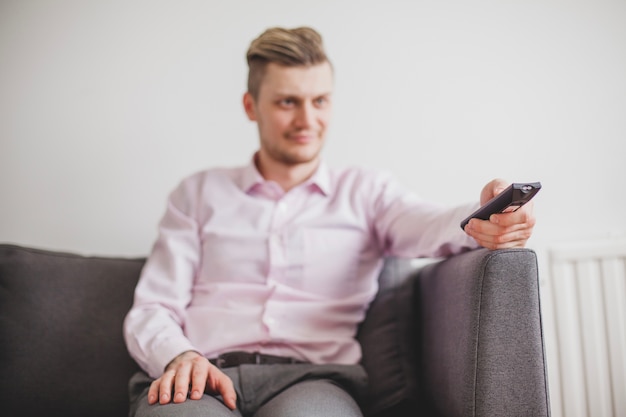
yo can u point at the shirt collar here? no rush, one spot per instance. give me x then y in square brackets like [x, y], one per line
[320, 179]
[252, 178]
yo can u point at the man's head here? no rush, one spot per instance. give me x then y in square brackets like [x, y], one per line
[289, 96]
[285, 47]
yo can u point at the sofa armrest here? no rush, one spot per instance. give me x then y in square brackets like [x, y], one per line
[481, 342]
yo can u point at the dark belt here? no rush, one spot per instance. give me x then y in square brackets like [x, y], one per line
[230, 359]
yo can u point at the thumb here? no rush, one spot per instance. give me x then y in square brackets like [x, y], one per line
[492, 189]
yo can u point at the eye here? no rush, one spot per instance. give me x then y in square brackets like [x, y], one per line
[286, 102]
[321, 101]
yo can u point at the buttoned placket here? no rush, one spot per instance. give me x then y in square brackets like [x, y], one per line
[277, 259]
[285, 254]
[277, 242]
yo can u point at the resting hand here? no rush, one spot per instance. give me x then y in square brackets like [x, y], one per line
[191, 370]
[503, 230]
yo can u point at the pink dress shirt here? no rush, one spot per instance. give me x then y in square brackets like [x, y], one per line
[241, 265]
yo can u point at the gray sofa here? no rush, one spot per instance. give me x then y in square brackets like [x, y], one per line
[460, 337]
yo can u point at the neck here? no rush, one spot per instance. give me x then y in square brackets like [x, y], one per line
[285, 175]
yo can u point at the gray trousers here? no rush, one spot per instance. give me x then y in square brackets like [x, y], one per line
[290, 390]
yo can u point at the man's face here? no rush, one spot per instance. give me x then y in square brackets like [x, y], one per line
[292, 111]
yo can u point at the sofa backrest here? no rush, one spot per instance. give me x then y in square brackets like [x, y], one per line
[62, 350]
[61, 345]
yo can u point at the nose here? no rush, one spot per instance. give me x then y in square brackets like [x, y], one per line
[305, 116]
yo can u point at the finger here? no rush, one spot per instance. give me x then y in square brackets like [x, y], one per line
[220, 383]
[493, 232]
[523, 217]
[153, 392]
[512, 240]
[165, 387]
[199, 376]
[492, 189]
[498, 185]
[492, 236]
[181, 382]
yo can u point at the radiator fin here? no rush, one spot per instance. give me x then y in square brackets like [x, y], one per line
[588, 288]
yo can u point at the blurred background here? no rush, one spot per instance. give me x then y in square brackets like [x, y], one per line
[106, 105]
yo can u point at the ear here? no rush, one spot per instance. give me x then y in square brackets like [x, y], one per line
[249, 106]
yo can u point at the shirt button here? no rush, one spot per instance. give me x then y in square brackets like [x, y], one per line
[282, 207]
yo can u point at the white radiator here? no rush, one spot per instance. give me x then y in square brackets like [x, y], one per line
[588, 308]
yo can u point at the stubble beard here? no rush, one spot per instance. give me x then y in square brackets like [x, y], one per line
[290, 157]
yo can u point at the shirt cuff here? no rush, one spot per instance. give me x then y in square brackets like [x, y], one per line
[165, 353]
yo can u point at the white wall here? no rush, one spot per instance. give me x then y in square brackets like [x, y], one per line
[106, 105]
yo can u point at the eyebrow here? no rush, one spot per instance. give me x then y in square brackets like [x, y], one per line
[285, 94]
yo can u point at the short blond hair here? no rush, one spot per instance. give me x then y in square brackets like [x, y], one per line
[301, 46]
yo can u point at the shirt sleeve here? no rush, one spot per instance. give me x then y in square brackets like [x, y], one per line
[408, 226]
[153, 326]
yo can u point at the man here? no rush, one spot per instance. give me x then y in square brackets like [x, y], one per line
[281, 257]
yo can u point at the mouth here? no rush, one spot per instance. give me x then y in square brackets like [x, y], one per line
[302, 138]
